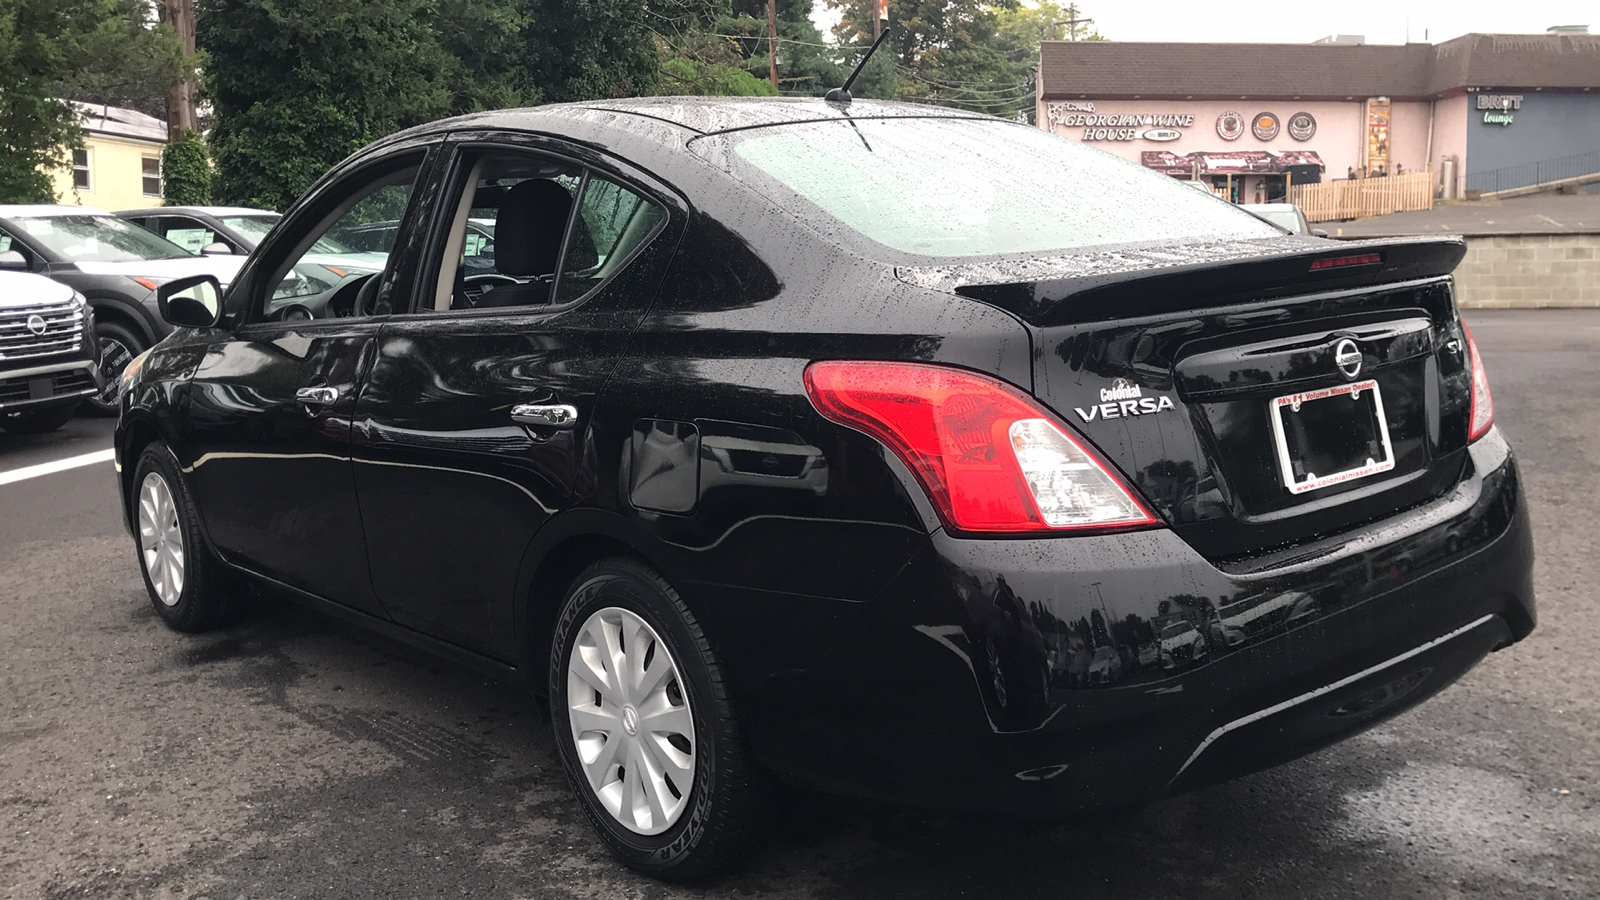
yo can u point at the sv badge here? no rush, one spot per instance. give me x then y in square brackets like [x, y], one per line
[1123, 399]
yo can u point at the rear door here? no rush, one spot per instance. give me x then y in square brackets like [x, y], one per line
[471, 431]
[270, 405]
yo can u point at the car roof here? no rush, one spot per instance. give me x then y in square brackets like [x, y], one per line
[198, 210]
[26, 210]
[703, 115]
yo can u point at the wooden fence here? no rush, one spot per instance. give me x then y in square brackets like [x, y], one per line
[1364, 197]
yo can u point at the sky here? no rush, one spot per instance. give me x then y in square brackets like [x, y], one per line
[1381, 21]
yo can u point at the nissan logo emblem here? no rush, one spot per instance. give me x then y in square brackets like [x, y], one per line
[36, 324]
[1347, 356]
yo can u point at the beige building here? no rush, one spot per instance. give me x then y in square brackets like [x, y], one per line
[119, 166]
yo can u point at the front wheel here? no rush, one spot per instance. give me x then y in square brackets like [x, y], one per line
[645, 729]
[118, 347]
[187, 586]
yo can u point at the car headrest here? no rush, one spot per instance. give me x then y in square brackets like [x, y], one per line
[533, 216]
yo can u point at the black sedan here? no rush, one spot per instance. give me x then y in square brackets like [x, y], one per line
[857, 445]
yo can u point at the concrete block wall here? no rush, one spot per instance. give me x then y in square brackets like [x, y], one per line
[1530, 270]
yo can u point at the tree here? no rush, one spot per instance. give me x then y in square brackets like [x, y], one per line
[944, 52]
[186, 171]
[54, 51]
[125, 59]
[298, 85]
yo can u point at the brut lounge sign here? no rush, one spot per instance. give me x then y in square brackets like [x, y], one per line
[1497, 107]
[1117, 126]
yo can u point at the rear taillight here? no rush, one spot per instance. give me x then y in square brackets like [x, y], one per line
[1482, 401]
[992, 460]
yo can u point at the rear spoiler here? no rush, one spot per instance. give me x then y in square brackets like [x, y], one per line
[1148, 279]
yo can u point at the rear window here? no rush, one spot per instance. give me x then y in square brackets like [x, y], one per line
[968, 188]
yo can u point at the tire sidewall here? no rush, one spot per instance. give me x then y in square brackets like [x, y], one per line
[616, 584]
[128, 340]
[188, 613]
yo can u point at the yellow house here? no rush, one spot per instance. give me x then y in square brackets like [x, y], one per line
[119, 166]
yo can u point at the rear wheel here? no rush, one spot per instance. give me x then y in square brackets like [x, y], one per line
[39, 421]
[188, 587]
[645, 729]
[118, 347]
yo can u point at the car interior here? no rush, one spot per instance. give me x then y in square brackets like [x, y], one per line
[527, 202]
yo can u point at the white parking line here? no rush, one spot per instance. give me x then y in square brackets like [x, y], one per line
[60, 465]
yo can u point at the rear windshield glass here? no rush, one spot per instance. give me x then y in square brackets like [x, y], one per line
[965, 187]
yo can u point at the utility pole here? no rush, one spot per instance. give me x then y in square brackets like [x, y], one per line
[772, 41]
[880, 18]
[180, 102]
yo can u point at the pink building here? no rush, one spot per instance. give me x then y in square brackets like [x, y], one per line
[1253, 118]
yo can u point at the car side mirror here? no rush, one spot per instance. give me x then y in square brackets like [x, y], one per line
[11, 259]
[1318, 232]
[216, 248]
[193, 302]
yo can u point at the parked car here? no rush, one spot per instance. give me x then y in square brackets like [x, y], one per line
[116, 266]
[1284, 215]
[509, 468]
[1182, 644]
[48, 359]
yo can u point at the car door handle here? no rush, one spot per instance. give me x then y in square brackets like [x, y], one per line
[545, 415]
[317, 396]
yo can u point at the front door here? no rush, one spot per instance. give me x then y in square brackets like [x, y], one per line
[271, 405]
[470, 432]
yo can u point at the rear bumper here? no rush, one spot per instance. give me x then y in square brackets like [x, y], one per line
[1017, 675]
[49, 384]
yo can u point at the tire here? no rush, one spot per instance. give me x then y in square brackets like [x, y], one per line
[39, 421]
[189, 589]
[724, 814]
[117, 347]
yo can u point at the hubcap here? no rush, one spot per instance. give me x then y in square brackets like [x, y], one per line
[160, 540]
[631, 722]
[114, 357]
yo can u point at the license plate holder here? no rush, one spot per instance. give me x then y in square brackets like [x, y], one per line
[41, 388]
[1342, 429]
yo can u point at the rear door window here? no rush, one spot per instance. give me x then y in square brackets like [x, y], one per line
[943, 188]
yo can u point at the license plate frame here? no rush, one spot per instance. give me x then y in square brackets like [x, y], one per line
[1290, 404]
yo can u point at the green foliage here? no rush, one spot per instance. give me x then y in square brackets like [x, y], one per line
[969, 54]
[186, 171]
[126, 59]
[805, 64]
[297, 85]
[687, 76]
[38, 41]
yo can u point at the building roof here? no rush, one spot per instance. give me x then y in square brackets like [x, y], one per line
[115, 121]
[1105, 70]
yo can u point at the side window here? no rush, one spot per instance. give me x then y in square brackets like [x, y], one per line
[7, 244]
[335, 269]
[514, 217]
[190, 234]
[505, 236]
[612, 222]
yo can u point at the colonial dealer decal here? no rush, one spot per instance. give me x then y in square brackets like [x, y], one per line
[1123, 398]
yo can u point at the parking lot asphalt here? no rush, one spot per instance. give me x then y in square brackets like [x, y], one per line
[295, 756]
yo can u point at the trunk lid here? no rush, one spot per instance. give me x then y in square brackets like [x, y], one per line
[1172, 359]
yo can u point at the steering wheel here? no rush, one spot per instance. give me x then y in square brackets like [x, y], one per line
[473, 287]
[363, 302]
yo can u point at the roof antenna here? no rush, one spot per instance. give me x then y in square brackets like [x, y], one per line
[842, 94]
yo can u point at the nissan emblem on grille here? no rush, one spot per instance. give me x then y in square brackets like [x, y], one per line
[36, 324]
[1347, 356]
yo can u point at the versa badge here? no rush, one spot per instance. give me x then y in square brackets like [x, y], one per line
[1123, 399]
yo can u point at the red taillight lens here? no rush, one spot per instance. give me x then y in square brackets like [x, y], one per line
[991, 459]
[1482, 402]
[1340, 262]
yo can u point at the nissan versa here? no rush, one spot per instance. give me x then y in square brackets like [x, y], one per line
[877, 448]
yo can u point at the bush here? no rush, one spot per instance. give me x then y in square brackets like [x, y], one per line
[186, 171]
